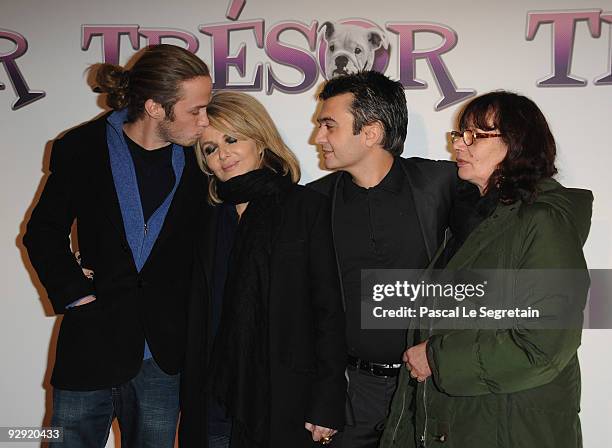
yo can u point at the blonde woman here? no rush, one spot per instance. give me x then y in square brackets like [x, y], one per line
[266, 350]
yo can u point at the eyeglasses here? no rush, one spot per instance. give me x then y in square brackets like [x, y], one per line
[469, 136]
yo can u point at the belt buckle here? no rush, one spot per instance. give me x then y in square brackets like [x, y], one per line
[375, 369]
[381, 370]
[372, 369]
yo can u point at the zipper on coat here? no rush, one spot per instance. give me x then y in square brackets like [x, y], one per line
[146, 229]
[399, 420]
[424, 436]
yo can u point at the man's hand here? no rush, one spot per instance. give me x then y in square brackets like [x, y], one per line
[416, 362]
[89, 274]
[319, 432]
[85, 300]
[86, 272]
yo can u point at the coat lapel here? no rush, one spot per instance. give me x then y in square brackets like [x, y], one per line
[180, 200]
[107, 195]
[425, 208]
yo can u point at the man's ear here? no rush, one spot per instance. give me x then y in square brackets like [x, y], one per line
[154, 110]
[373, 134]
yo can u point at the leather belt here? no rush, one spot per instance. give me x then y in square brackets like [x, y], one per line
[374, 368]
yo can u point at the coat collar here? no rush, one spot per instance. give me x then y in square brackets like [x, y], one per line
[488, 231]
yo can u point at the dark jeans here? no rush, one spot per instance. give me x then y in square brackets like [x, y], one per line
[215, 441]
[370, 398]
[146, 407]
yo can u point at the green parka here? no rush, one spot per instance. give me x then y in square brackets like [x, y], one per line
[512, 388]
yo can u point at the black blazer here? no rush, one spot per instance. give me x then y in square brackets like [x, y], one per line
[101, 344]
[307, 340]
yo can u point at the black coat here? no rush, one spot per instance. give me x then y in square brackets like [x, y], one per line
[101, 344]
[307, 341]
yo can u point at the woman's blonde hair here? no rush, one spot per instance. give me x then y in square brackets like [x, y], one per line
[243, 117]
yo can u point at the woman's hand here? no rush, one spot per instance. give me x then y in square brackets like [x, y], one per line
[320, 433]
[417, 363]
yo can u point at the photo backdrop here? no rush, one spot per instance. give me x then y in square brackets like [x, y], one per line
[557, 52]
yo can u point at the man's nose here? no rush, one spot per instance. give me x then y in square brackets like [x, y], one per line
[203, 119]
[320, 137]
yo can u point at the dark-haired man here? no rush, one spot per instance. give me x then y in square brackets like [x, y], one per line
[388, 212]
[131, 182]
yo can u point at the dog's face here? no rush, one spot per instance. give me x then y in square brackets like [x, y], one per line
[350, 48]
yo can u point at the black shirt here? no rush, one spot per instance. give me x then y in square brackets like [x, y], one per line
[376, 228]
[154, 173]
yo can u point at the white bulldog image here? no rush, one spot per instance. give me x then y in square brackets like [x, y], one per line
[350, 48]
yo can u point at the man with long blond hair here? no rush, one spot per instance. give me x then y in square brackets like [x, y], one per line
[131, 182]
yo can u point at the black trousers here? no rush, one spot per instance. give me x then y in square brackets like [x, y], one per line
[370, 397]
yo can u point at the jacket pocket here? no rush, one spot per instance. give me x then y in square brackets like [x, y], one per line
[87, 308]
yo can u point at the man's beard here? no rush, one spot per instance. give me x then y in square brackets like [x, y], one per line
[165, 133]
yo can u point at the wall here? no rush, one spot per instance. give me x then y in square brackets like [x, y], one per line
[473, 47]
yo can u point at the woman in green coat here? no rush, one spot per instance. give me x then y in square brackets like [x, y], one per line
[516, 387]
